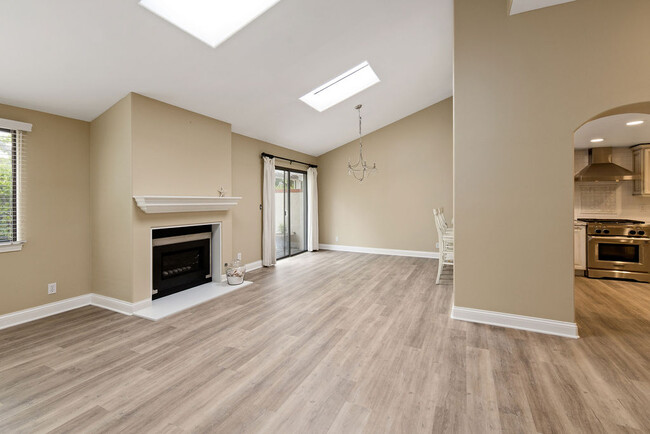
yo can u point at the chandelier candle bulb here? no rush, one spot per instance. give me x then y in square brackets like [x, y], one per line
[360, 169]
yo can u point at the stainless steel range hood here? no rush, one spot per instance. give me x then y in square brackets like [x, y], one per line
[601, 168]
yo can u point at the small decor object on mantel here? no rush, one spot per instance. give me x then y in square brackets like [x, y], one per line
[360, 169]
[221, 191]
[235, 272]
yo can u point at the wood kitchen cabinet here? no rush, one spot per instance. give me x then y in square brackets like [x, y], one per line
[641, 169]
[579, 247]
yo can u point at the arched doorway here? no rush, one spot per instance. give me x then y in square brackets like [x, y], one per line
[612, 219]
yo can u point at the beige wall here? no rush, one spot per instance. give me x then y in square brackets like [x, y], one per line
[175, 152]
[57, 214]
[247, 182]
[83, 228]
[110, 183]
[522, 85]
[392, 209]
[145, 147]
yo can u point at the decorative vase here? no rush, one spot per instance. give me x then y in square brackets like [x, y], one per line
[235, 272]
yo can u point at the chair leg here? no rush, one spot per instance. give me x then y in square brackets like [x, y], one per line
[440, 265]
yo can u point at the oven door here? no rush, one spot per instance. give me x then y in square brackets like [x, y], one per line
[618, 253]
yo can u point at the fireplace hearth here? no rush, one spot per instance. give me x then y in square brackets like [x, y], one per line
[181, 259]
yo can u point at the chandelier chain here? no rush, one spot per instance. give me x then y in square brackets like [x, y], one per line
[360, 169]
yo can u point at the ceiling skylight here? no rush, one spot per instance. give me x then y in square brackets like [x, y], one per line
[341, 88]
[211, 21]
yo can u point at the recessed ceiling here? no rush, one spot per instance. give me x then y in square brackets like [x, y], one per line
[77, 58]
[614, 131]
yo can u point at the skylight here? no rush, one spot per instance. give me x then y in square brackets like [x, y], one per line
[211, 21]
[341, 88]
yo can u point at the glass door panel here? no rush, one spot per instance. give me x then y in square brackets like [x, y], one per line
[281, 214]
[290, 212]
[298, 216]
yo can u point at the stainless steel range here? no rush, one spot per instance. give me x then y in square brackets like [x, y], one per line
[618, 248]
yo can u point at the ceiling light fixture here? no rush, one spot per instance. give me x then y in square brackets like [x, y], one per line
[631, 123]
[360, 169]
[211, 21]
[339, 89]
[597, 140]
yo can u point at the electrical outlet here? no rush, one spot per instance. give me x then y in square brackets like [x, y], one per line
[437, 245]
[51, 288]
[337, 238]
[239, 256]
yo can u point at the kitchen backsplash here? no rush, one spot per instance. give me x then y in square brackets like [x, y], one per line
[605, 199]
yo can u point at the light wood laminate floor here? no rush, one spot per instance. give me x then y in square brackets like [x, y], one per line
[331, 342]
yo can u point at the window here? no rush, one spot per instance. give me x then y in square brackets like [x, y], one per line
[8, 186]
[12, 150]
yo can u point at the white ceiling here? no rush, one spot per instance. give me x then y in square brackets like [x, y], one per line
[76, 58]
[614, 130]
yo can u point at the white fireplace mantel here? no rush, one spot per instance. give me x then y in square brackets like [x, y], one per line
[167, 204]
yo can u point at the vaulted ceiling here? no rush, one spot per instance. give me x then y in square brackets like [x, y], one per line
[78, 57]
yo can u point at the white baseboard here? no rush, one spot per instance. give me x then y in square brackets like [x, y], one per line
[528, 323]
[142, 304]
[378, 251]
[254, 265]
[116, 305]
[38, 312]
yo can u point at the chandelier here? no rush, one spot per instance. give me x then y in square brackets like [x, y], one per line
[360, 169]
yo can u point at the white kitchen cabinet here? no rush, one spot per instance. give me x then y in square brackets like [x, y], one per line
[579, 247]
[642, 170]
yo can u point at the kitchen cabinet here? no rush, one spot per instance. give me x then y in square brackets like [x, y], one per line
[579, 247]
[641, 170]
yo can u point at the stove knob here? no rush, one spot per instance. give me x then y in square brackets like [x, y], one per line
[633, 232]
[598, 231]
[606, 231]
[641, 232]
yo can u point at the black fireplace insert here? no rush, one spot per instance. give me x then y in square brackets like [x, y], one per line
[181, 259]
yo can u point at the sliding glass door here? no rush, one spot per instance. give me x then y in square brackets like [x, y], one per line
[290, 212]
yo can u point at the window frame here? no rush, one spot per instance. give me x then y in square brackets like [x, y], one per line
[13, 239]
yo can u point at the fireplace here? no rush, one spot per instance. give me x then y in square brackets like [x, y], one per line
[181, 258]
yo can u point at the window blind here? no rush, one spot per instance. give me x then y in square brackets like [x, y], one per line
[13, 138]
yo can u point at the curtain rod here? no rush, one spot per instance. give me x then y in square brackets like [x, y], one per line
[264, 154]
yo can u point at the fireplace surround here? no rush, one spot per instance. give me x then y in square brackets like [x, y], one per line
[184, 257]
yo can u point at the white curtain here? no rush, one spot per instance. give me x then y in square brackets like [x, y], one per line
[268, 213]
[312, 209]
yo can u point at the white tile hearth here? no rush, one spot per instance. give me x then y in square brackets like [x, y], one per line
[180, 301]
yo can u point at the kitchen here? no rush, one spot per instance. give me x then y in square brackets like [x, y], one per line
[612, 198]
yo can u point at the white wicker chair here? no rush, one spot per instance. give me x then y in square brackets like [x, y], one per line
[445, 241]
